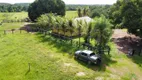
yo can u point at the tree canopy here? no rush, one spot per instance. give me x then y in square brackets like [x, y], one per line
[128, 14]
[101, 31]
[40, 7]
[18, 7]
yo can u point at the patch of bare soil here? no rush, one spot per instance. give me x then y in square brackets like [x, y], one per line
[125, 41]
[99, 78]
[67, 64]
[27, 27]
[80, 74]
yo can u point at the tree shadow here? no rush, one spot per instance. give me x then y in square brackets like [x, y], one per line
[61, 45]
[65, 47]
[137, 59]
[30, 27]
[106, 61]
[27, 72]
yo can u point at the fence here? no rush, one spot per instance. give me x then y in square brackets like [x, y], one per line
[58, 38]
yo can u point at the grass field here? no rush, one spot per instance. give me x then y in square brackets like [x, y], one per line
[50, 62]
[71, 14]
[51, 59]
[9, 26]
[23, 15]
[13, 16]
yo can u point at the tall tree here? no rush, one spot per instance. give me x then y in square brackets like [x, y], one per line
[46, 6]
[79, 12]
[128, 14]
[101, 31]
[88, 34]
[71, 28]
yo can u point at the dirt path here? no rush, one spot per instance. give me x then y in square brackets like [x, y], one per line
[125, 41]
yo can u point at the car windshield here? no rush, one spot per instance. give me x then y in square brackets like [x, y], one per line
[92, 54]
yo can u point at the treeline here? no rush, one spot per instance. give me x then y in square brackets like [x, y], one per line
[127, 14]
[95, 10]
[5, 7]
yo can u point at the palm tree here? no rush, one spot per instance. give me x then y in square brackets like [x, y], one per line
[64, 26]
[51, 21]
[84, 12]
[80, 29]
[79, 12]
[59, 22]
[101, 31]
[88, 33]
[71, 28]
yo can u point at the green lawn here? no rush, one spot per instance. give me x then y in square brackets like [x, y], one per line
[51, 61]
[9, 26]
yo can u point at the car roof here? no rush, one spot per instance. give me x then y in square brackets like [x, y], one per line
[87, 51]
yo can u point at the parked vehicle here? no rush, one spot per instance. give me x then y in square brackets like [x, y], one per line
[88, 56]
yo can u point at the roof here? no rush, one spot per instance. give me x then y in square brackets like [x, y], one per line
[87, 51]
[85, 18]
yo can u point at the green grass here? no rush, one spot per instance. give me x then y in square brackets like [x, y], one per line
[13, 16]
[51, 62]
[52, 59]
[71, 14]
[9, 26]
[23, 15]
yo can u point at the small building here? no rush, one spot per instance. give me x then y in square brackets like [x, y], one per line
[83, 19]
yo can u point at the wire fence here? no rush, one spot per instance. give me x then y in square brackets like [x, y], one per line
[70, 41]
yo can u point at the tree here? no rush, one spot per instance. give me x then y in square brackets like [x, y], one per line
[40, 7]
[88, 34]
[58, 25]
[128, 14]
[97, 11]
[101, 31]
[132, 17]
[79, 12]
[64, 26]
[4, 7]
[80, 29]
[70, 28]
[46, 21]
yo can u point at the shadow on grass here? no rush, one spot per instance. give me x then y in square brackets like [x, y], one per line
[65, 47]
[106, 61]
[61, 45]
[137, 59]
[27, 72]
[31, 27]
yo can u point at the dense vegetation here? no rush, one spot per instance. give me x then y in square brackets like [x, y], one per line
[98, 10]
[128, 14]
[5, 7]
[94, 10]
[39, 7]
[69, 28]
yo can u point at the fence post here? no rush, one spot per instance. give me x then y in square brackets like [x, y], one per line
[20, 31]
[4, 32]
[12, 31]
[29, 66]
